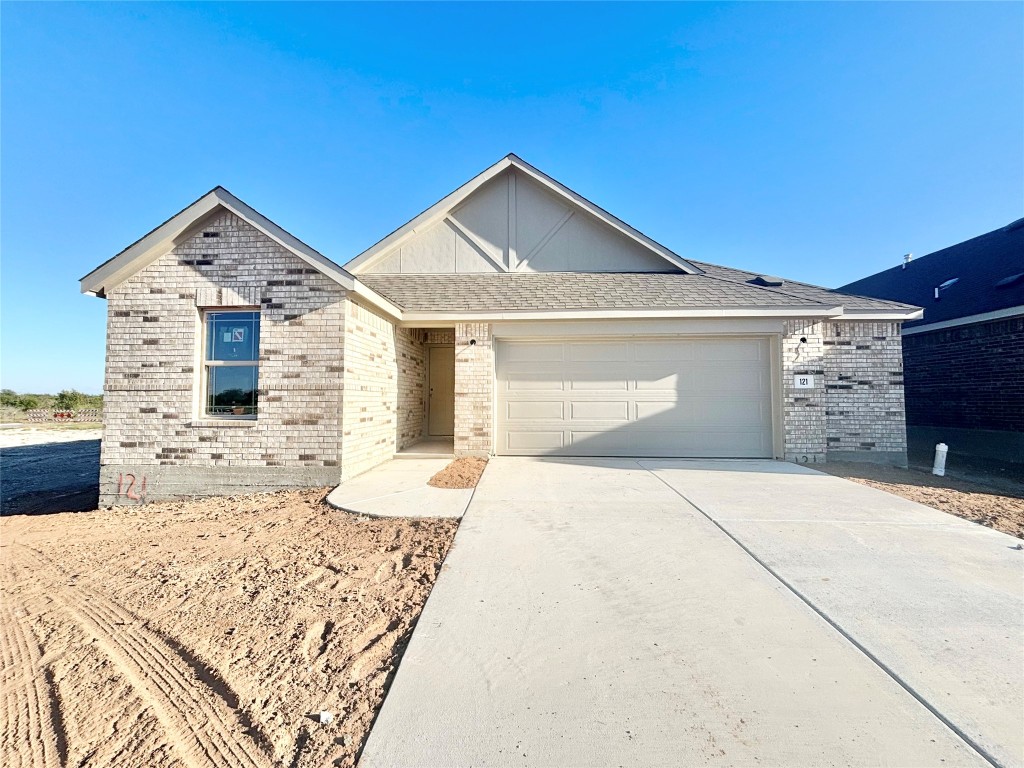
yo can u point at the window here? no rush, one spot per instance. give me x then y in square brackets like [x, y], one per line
[230, 366]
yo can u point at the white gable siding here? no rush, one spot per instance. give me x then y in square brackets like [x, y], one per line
[514, 223]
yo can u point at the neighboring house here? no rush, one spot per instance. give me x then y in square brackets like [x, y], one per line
[513, 317]
[964, 360]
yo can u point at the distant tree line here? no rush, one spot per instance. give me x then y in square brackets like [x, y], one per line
[65, 400]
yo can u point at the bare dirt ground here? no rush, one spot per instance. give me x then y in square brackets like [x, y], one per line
[464, 472]
[999, 507]
[205, 632]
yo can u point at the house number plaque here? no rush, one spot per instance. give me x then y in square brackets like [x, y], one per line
[803, 381]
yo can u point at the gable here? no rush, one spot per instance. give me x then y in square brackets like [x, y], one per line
[223, 260]
[513, 218]
[158, 242]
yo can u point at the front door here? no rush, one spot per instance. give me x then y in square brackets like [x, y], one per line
[441, 400]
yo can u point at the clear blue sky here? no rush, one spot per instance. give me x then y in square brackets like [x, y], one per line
[818, 141]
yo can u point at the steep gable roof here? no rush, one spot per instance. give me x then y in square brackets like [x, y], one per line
[447, 204]
[988, 269]
[163, 238]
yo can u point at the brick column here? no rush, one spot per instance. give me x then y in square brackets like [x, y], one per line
[474, 389]
[803, 410]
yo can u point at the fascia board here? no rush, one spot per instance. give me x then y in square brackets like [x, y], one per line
[891, 315]
[142, 253]
[162, 239]
[411, 318]
[984, 317]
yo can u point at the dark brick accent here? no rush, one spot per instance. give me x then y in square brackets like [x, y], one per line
[968, 377]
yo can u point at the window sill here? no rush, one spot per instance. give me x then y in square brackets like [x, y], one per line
[230, 423]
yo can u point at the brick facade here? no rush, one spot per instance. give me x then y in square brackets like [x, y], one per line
[864, 410]
[154, 432]
[855, 410]
[803, 353]
[342, 388]
[474, 389]
[383, 402]
[967, 377]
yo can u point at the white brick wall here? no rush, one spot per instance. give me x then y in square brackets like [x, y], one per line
[803, 409]
[855, 410]
[474, 389]
[864, 389]
[412, 371]
[370, 397]
[151, 410]
[382, 403]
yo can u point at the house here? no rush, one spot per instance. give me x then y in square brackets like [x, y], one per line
[512, 317]
[964, 360]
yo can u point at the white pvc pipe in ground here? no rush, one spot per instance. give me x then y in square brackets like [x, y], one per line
[939, 467]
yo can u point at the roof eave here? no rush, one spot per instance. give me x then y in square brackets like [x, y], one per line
[411, 317]
[901, 314]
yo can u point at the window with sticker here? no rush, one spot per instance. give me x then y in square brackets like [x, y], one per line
[230, 364]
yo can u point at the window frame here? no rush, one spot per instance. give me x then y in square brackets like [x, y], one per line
[205, 364]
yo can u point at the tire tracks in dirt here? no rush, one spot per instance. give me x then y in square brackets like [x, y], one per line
[198, 709]
[32, 721]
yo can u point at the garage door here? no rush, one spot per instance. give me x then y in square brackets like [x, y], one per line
[635, 397]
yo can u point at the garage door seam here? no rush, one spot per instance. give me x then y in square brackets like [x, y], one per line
[878, 662]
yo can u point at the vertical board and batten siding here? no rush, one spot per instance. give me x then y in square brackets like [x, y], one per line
[669, 397]
[513, 223]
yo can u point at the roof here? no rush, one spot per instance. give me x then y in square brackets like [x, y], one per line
[442, 207]
[979, 265]
[815, 293]
[716, 288]
[163, 238]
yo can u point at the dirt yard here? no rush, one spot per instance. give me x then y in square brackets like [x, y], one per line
[205, 632]
[997, 508]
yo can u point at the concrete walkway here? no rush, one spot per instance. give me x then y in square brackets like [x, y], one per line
[398, 488]
[588, 615]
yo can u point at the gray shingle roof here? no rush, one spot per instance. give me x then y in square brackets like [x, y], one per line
[805, 290]
[718, 287]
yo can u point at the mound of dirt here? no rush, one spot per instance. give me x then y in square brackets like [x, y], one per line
[978, 503]
[461, 473]
[206, 632]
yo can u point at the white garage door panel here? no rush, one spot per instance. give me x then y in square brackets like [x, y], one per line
[636, 397]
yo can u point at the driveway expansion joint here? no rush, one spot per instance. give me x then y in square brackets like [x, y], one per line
[983, 753]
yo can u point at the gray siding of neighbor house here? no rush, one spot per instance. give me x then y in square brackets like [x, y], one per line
[155, 443]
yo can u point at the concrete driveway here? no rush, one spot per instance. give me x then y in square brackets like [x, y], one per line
[615, 612]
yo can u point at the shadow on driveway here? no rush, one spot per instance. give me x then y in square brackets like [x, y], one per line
[49, 477]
